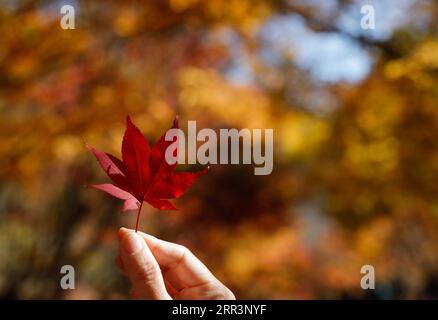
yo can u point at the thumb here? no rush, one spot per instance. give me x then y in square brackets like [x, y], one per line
[141, 267]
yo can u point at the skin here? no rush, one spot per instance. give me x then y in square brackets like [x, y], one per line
[161, 270]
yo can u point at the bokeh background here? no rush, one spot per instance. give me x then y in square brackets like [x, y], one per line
[355, 119]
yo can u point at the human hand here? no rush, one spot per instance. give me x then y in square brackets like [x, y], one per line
[162, 270]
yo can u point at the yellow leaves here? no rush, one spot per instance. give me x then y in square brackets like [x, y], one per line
[426, 55]
[108, 137]
[395, 70]
[247, 15]
[416, 67]
[371, 147]
[300, 134]
[161, 112]
[22, 67]
[371, 240]
[27, 168]
[103, 96]
[126, 22]
[380, 111]
[204, 92]
[374, 159]
[67, 147]
[181, 5]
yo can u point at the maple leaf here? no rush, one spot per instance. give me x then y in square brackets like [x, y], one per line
[143, 174]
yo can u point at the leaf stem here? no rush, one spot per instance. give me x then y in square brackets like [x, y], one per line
[138, 216]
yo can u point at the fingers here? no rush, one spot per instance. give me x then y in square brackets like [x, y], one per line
[182, 268]
[185, 276]
[208, 291]
[141, 267]
[170, 289]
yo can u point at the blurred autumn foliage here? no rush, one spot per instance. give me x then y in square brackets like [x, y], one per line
[356, 160]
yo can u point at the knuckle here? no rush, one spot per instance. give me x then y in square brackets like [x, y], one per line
[183, 252]
[182, 249]
[145, 272]
[217, 291]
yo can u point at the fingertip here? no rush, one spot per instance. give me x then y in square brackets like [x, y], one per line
[122, 232]
[132, 243]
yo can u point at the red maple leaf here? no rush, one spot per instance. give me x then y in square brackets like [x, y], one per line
[144, 174]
